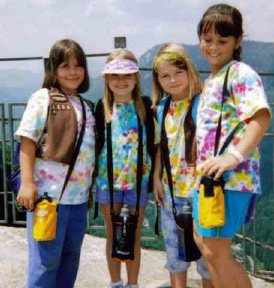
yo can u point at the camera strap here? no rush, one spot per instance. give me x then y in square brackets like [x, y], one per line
[76, 149]
[139, 165]
[225, 94]
[165, 160]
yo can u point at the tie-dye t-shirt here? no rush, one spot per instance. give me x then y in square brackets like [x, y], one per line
[124, 129]
[50, 175]
[183, 175]
[246, 97]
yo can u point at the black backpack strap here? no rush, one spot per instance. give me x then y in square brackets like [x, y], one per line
[99, 116]
[110, 166]
[99, 132]
[90, 105]
[150, 133]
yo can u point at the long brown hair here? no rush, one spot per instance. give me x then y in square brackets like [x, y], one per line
[226, 21]
[136, 93]
[60, 52]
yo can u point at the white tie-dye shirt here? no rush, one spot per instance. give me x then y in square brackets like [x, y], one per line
[50, 175]
[246, 97]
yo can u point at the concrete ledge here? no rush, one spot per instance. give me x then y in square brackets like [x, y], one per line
[93, 268]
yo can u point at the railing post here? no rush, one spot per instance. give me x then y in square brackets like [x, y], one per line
[4, 163]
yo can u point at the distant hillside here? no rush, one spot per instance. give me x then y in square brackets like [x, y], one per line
[17, 85]
[259, 55]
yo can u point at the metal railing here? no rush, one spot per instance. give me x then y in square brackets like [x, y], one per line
[9, 215]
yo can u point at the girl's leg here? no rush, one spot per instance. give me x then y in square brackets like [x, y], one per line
[203, 271]
[114, 267]
[226, 272]
[177, 267]
[178, 280]
[133, 267]
[75, 231]
[44, 256]
[207, 283]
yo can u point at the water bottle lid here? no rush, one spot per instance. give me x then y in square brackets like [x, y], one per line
[125, 210]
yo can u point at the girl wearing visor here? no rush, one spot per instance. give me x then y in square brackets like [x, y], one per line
[124, 110]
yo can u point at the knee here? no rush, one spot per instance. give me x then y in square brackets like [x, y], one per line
[215, 256]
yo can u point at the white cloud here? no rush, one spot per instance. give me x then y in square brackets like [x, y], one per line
[107, 7]
[43, 3]
[30, 27]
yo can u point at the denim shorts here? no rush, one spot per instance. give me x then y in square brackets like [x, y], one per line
[128, 197]
[236, 209]
[174, 264]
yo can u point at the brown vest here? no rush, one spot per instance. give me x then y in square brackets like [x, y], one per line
[60, 132]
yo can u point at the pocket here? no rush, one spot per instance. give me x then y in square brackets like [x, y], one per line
[45, 221]
[211, 202]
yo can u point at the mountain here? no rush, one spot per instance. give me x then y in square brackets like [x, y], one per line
[258, 55]
[17, 85]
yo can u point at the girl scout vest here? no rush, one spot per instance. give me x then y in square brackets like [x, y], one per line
[60, 133]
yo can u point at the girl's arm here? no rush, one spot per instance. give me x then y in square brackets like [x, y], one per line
[27, 194]
[157, 183]
[254, 133]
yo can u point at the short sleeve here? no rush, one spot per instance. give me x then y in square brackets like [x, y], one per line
[34, 118]
[248, 91]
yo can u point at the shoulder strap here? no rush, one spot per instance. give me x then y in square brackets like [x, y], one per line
[100, 134]
[139, 165]
[150, 136]
[76, 150]
[165, 155]
[225, 94]
[218, 131]
[195, 104]
[90, 105]
[99, 116]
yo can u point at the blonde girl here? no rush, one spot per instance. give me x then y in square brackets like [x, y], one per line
[122, 106]
[175, 79]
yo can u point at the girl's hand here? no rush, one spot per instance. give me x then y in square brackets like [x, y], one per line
[27, 195]
[158, 191]
[218, 165]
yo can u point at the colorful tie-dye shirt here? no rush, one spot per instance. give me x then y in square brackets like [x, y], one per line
[246, 97]
[124, 129]
[50, 175]
[183, 175]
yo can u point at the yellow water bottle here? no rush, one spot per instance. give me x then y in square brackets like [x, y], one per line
[45, 219]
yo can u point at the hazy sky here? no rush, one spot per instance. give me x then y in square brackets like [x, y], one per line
[30, 27]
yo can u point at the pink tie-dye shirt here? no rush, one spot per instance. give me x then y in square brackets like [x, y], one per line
[247, 96]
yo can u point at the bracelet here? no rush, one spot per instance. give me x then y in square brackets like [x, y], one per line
[238, 155]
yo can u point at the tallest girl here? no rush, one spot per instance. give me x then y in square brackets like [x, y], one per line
[220, 33]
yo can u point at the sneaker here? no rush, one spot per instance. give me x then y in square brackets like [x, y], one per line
[118, 284]
[132, 286]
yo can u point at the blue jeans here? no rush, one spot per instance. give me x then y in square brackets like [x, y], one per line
[54, 264]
